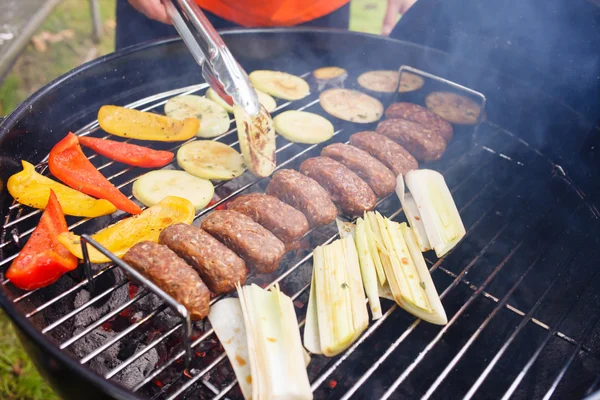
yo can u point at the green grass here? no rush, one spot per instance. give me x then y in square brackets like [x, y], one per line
[33, 69]
[18, 378]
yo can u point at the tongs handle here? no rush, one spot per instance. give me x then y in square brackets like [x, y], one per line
[219, 68]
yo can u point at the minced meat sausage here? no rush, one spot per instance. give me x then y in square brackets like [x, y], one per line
[422, 143]
[169, 272]
[304, 194]
[390, 153]
[367, 167]
[421, 116]
[257, 246]
[351, 193]
[283, 220]
[218, 266]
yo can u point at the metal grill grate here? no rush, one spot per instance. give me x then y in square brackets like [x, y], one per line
[518, 209]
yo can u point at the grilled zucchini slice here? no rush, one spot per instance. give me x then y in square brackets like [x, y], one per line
[210, 160]
[303, 127]
[214, 121]
[154, 186]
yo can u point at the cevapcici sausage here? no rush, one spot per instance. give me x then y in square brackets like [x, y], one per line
[390, 153]
[368, 168]
[304, 194]
[421, 116]
[169, 272]
[283, 220]
[219, 267]
[346, 189]
[422, 143]
[257, 246]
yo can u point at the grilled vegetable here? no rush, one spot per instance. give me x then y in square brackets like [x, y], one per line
[351, 105]
[453, 107]
[280, 84]
[267, 101]
[227, 319]
[214, 120]
[407, 276]
[430, 210]
[154, 186]
[126, 153]
[379, 81]
[260, 336]
[303, 127]
[337, 312]
[68, 163]
[33, 190]
[326, 73]
[210, 160]
[410, 82]
[43, 259]
[367, 266]
[387, 81]
[123, 235]
[257, 141]
[134, 124]
[277, 359]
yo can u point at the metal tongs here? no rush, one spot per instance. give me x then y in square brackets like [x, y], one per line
[219, 68]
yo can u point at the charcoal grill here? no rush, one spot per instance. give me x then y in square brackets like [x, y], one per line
[519, 290]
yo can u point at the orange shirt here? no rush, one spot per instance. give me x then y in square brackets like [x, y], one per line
[263, 13]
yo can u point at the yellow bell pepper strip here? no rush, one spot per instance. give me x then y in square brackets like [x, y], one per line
[33, 190]
[43, 259]
[123, 235]
[134, 124]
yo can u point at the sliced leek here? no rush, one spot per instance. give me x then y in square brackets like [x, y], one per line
[337, 313]
[227, 320]
[277, 359]
[367, 268]
[409, 283]
[431, 210]
[260, 335]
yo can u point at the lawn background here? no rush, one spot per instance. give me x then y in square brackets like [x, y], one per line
[71, 19]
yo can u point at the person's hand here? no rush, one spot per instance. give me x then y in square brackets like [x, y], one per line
[152, 9]
[394, 8]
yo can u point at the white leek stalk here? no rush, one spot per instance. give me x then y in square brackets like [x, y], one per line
[409, 283]
[431, 210]
[337, 312]
[272, 365]
[367, 268]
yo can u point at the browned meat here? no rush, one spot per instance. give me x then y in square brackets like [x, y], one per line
[368, 168]
[283, 220]
[390, 153]
[219, 267]
[257, 246]
[165, 269]
[421, 116]
[346, 189]
[422, 143]
[304, 194]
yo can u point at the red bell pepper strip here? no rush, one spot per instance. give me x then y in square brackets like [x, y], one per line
[129, 154]
[68, 163]
[43, 259]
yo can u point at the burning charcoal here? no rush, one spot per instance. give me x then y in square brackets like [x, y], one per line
[95, 312]
[139, 369]
[105, 361]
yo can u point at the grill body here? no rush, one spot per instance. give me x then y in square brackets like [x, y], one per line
[519, 290]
